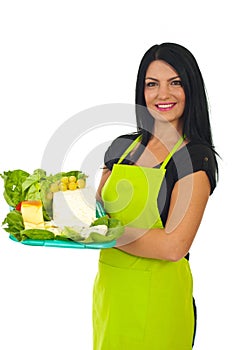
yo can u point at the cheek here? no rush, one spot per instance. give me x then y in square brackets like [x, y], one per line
[148, 97]
[181, 98]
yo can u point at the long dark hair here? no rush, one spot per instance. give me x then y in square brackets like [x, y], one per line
[196, 113]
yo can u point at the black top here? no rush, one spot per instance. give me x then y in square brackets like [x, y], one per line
[189, 159]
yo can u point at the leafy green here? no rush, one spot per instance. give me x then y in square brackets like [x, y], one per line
[62, 237]
[33, 179]
[72, 234]
[97, 237]
[116, 229]
[36, 187]
[37, 234]
[114, 223]
[13, 190]
[13, 224]
[78, 174]
[103, 220]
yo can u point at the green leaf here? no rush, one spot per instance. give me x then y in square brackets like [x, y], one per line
[13, 224]
[72, 234]
[62, 238]
[37, 234]
[97, 237]
[13, 180]
[81, 176]
[115, 232]
[14, 221]
[112, 222]
[116, 229]
[33, 179]
[75, 173]
[101, 221]
[34, 192]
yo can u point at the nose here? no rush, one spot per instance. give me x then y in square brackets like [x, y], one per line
[163, 91]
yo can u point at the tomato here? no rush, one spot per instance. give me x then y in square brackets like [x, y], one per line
[18, 207]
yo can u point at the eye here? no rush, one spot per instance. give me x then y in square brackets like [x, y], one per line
[150, 84]
[176, 82]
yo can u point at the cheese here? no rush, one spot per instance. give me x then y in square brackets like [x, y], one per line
[74, 208]
[32, 214]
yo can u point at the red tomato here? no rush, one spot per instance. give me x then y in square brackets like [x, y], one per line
[18, 207]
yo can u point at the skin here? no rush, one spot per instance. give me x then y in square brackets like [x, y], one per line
[163, 86]
[190, 194]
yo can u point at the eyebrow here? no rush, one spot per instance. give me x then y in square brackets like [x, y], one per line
[177, 76]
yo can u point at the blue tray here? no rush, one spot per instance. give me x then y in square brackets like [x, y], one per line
[66, 244]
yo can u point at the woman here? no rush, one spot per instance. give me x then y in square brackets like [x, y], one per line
[157, 181]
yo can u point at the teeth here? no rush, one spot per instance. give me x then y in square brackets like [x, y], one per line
[166, 106]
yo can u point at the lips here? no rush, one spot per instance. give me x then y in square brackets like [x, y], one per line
[165, 106]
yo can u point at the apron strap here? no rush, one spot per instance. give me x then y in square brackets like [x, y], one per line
[164, 164]
[174, 149]
[129, 149]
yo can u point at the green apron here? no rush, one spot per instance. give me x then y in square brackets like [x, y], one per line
[140, 303]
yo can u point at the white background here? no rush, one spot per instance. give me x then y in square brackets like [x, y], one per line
[57, 59]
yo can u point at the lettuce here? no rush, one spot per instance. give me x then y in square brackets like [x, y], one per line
[13, 190]
[36, 234]
[115, 230]
[103, 220]
[13, 224]
[71, 234]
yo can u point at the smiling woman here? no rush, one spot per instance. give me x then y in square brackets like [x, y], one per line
[164, 94]
[157, 181]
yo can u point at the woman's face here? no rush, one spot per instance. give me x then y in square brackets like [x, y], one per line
[164, 94]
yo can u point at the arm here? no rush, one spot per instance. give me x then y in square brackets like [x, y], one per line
[188, 201]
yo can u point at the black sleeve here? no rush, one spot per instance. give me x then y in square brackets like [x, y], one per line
[117, 148]
[193, 158]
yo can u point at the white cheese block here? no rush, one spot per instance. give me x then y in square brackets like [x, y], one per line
[76, 207]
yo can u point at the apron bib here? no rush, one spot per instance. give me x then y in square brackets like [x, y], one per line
[140, 303]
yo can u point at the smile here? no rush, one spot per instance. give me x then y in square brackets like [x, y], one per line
[165, 106]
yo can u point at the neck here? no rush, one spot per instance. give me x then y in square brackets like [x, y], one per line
[167, 133]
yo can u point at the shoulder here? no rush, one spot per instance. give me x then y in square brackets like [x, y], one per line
[117, 148]
[196, 157]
